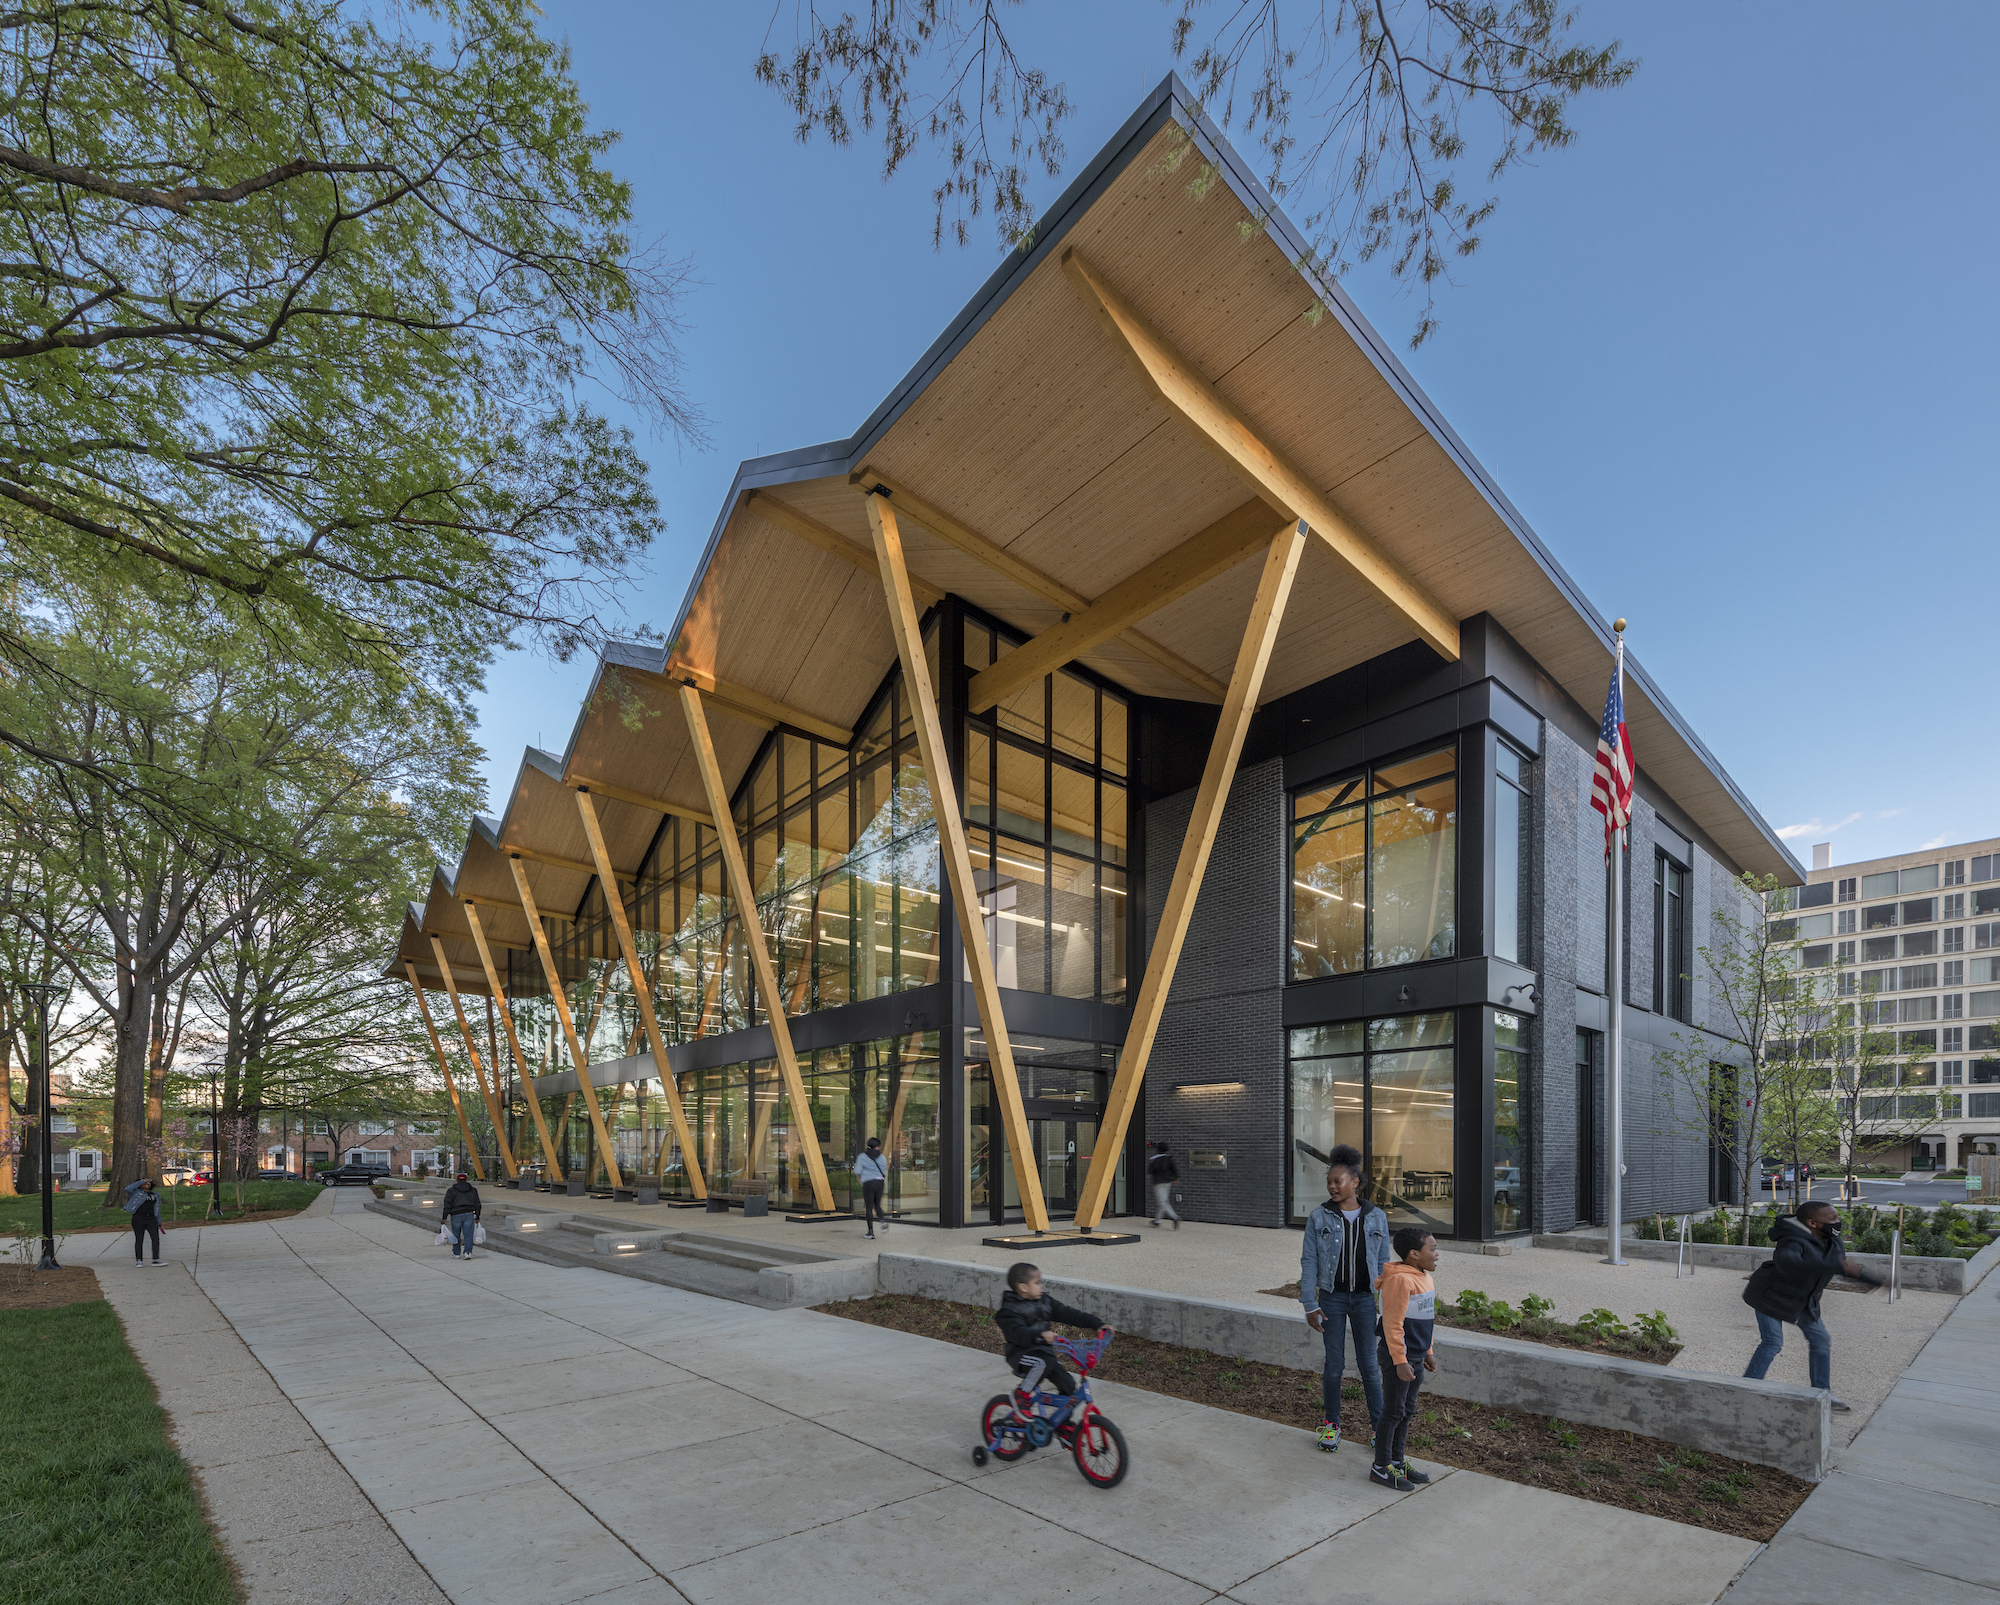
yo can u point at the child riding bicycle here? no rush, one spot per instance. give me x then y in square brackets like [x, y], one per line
[1025, 1315]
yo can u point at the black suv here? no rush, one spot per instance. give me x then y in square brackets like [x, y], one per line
[354, 1175]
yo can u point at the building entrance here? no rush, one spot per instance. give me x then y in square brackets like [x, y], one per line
[1064, 1104]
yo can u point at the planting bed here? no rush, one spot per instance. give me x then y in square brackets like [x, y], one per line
[1612, 1468]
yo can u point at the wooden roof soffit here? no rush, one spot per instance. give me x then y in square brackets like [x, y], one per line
[752, 707]
[535, 855]
[638, 799]
[1268, 470]
[1189, 566]
[996, 557]
[788, 517]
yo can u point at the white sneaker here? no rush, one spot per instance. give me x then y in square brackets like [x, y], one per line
[1839, 1406]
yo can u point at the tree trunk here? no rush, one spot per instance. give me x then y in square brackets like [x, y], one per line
[128, 1092]
[6, 1106]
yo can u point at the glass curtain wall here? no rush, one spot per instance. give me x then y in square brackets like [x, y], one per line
[1063, 1086]
[1510, 1123]
[1375, 868]
[1046, 772]
[746, 1129]
[1388, 1087]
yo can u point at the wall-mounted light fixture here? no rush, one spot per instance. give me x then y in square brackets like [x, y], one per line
[1209, 1086]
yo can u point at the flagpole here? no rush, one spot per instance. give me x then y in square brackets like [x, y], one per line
[1615, 988]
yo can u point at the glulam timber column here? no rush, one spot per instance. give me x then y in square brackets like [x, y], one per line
[957, 856]
[743, 895]
[561, 1001]
[513, 1042]
[450, 1086]
[607, 881]
[1253, 656]
[472, 1053]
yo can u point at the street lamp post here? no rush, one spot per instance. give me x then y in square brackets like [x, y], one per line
[39, 993]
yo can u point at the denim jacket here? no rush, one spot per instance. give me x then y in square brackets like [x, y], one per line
[1322, 1249]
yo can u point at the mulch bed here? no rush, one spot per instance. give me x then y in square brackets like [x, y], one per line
[22, 1287]
[1611, 1468]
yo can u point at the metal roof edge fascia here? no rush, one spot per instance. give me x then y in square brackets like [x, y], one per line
[1259, 201]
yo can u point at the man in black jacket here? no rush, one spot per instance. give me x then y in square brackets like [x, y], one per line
[1024, 1318]
[461, 1214]
[1806, 1254]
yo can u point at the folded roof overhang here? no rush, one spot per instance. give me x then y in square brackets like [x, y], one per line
[1034, 467]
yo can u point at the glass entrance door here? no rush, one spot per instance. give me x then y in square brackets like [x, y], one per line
[1063, 1148]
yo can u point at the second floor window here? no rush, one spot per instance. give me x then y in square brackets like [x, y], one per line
[1375, 868]
[1670, 938]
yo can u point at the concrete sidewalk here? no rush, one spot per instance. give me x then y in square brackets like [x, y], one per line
[1874, 1341]
[552, 1436]
[1911, 1511]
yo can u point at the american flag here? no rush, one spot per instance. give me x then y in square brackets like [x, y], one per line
[1611, 782]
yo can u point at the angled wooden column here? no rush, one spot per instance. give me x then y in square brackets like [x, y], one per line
[513, 1042]
[957, 857]
[744, 896]
[607, 881]
[1281, 565]
[450, 1086]
[472, 1053]
[561, 1000]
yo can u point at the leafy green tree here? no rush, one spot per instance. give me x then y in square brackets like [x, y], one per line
[1760, 1001]
[300, 304]
[1386, 119]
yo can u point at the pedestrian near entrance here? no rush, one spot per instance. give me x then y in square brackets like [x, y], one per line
[145, 1222]
[1408, 1323]
[1162, 1172]
[1346, 1250]
[461, 1215]
[871, 1169]
[1806, 1254]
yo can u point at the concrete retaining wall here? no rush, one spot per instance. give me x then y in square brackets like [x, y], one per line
[1918, 1275]
[1777, 1424]
[824, 1283]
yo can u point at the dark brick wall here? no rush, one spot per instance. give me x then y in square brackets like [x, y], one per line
[1223, 1019]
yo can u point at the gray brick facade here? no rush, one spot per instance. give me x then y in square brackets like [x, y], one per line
[1223, 1020]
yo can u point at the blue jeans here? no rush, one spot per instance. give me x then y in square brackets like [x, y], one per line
[462, 1229]
[1344, 1311]
[1819, 1348]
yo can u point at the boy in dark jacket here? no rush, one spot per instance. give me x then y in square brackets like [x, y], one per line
[145, 1222]
[461, 1215]
[1024, 1318]
[1806, 1254]
[1407, 1326]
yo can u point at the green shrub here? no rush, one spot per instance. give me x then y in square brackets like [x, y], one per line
[1473, 1304]
[1601, 1324]
[1534, 1307]
[1502, 1317]
[1655, 1328]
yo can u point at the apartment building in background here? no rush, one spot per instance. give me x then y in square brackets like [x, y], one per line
[1919, 937]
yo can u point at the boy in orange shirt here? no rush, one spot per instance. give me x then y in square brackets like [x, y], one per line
[1408, 1317]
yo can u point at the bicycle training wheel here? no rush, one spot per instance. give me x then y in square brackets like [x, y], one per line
[1100, 1452]
[1012, 1444]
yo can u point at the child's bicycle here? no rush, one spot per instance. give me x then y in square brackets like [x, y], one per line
[1091, 1435]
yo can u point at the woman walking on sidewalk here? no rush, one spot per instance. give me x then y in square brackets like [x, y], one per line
[871, 1169]
[145, 1221]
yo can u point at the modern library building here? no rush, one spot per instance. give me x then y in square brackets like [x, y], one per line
[1151, 725]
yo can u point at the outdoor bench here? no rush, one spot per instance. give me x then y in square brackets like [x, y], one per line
[754, 1196]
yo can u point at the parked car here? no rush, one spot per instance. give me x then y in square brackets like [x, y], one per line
[199, 1178]
[178, 1176]
[354, 1175]
[1506, 1183]
[275, 1175]
[1777, 1175]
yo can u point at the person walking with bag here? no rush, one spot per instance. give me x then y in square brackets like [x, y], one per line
[145, 1207]
[871, 1169]
[1806, 1254]
[461, 1216]
[1162, 1172]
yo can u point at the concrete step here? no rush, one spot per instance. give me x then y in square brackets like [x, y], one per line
[732, 1256]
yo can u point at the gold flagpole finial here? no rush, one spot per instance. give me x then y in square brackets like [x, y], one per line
[1618, 625]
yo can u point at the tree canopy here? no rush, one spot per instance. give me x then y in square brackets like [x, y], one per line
[1386, 121]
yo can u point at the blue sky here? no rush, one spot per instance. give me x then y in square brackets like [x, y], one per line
[1733, 355]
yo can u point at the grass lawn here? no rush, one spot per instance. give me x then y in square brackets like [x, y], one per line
[94, 1502]
[85, 1212]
